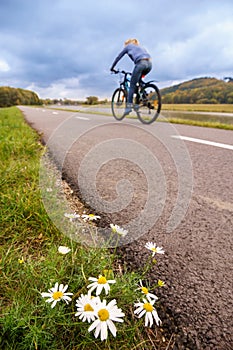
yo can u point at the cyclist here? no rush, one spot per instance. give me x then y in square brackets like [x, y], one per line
[143, 66]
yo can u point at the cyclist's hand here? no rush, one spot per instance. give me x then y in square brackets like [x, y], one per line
[114, 71]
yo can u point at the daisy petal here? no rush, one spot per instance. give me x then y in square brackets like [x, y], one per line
[112, 327]
[104, 331]
[93, 326]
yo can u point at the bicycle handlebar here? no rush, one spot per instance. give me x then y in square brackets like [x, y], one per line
[121, 71]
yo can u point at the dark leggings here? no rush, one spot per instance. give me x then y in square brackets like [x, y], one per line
[141, 68]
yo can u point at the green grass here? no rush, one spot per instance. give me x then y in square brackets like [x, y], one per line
[198, 120]
[185, 114]
[225, 108]
[30, 263]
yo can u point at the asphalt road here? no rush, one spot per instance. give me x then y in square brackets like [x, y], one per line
[170, 184]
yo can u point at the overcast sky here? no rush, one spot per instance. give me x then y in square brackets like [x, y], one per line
[64, 48]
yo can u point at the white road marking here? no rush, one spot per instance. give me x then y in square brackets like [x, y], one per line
[217, 203]
[82, 118]
[205, 142]
[54, 112]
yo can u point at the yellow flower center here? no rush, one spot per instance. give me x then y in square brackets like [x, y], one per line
[103, 314]
[88, 307]
[57, 295]
[148, 307]
[145, 290]
[154, 249]
[102, 280]
[160, 283]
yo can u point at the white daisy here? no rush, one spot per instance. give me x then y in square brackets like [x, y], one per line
[145, 291]
[99, 284]
[152, 246]
[86, 307]
[119, 230]
[56, 294]
[63, 250]
[72, 217]
[90, 217]
[106, 315]
[146, 308]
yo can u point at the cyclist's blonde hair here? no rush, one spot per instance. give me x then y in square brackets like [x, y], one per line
[132, 41]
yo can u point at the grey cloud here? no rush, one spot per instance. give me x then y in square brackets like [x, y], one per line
[47, 42]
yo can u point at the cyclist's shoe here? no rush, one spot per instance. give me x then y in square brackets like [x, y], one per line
[128, 109]
[136, 107]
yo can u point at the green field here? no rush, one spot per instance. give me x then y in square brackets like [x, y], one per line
[226, 108]
[204, 115]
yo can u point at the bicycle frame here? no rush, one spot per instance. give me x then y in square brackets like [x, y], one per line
[126, 80]
[147, 100]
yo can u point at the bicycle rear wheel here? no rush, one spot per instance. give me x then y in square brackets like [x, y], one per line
[148, 104]
[119, 98]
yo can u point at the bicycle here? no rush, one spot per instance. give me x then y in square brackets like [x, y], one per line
[147, 99]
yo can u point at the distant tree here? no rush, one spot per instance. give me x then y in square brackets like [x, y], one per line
[11, 97]
[5, 98]
[230, 98]
[92, 100]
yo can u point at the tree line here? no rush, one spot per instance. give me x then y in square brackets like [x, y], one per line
[199, 91]
[90, 100]
[15, 96]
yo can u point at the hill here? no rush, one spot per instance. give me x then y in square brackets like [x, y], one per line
[14, 96]
[200, 90]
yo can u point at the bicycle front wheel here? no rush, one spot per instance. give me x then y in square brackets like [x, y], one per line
[119, 98]
[149, 104]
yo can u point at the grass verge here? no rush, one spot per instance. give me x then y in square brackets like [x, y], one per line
[30, 262]
[216, 108]
[195, 121]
